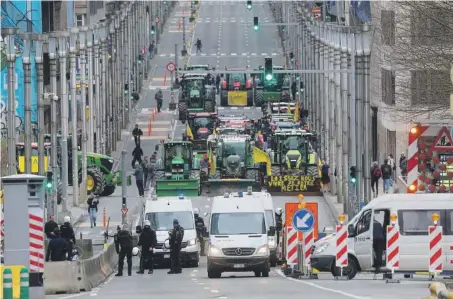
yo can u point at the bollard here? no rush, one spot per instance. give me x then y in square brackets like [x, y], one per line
[24, 284]
[7, 284]
[104, 218]
[149, 127]
[154, 115]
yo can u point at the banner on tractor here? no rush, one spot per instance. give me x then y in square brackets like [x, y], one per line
[237, 98]
[293, 183]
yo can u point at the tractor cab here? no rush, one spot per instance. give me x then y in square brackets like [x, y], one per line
[197, 67]
[177, 160]
[202, 124]
[236, 82]
[20, 156]
[194, 89]
[233, 153]
[277, 83]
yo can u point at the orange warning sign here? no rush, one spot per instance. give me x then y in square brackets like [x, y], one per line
[292, 207]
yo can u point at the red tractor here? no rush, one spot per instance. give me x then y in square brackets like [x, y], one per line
[236, 89]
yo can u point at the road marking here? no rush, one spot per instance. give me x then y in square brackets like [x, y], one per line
[279, 272]
[153, 137]
[233, 54]
[200, 283]
[73, 296]
[194, 279]
[206, 288]
[192, 275]
[214, 291]
[195, 270]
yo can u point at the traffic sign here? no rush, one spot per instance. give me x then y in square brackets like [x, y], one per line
[292, 207]
[303, 220]
[2, 227]
[443, 141]
[124, 211]
[171, 67]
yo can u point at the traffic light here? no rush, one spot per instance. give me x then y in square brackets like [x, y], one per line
[126, 88]
[153, 30]
[291, 56]
[49, 182]
[268, 69]
[353, 174]
[256, 25]
[249, 4]
[140, 59]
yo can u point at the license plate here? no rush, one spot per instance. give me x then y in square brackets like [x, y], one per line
[239, 266]
[166, 256]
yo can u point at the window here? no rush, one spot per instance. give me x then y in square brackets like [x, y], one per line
[80, 20]
[430, 87]
[270, 221]
[429, 23]
[415, 222]
[163, 221]
[363, 225]
[238, 224]
[388, 86]
[388, 27]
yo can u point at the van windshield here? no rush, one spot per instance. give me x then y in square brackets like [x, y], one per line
[164, 220]
[270, 221]
[237, 224]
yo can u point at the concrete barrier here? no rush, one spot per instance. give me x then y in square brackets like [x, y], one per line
[439, 291]
[85, 244]
[61, 277]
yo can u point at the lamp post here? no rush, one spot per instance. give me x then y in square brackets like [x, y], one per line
[90, 144]
[103, 104]
[26, 61]
[97, 79]
[39, 44]
[83, 139]
[113, 86]
[119, 83]
[75, 167]
[9, 33]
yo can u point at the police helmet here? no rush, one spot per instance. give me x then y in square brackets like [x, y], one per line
[135, 251]
[147, 223]
[278, 211]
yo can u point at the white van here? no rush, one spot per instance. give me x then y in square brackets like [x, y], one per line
[269, 211]
[414, 216]
[238, 236]
[161, 213]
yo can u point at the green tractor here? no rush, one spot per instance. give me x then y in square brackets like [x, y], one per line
[201, 126]
[292, 153]
[177, 171]
[195, 96]
[277, 89]
[101, 179]
[232, 162]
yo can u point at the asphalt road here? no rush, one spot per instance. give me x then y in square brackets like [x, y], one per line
[225, 29]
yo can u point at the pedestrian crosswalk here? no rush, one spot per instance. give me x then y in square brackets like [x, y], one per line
[223, 55]
[238, 108]
[243, 21]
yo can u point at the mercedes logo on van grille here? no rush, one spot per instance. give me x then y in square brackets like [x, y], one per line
[238, 251]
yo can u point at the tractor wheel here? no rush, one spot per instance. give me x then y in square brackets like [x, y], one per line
[209, 106]
[276, 170]
[313, 171]
[249, 98]
[251, 174]
[108, 190]
[95, 181]
[59, 192]
[160, 175]
[182, 109]
[223, 98]
[259, 98]
[195, 174]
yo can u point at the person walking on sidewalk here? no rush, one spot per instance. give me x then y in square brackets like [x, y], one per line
[139, 179]
[145, 164]
[92, 209]
[393, 166]
[151, 50]
[151, 168]
[137, 155]
[159, 97]
[376, 174]
[137, 133]
[325, 179]
[386, 170]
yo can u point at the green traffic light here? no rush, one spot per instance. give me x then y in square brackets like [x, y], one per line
[249, 6]
[353, 180]
[49, 185]
[125, 92]
[269, 77]
[255, 27]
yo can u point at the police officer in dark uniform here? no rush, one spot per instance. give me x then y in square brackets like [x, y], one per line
[199, 225]
[148, 241]
[123, 246]
[176, 237]
[279, 223]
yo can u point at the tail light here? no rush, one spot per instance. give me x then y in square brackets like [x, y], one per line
[237, 84]
[248, 84]
[224, 85]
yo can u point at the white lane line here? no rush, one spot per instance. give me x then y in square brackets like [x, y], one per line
[192, 275]
[73, 296]
[194, 279]
[223, 297]
[206, 206]
[206, 288]
[200, 283]
[214, 291]
[279, 272]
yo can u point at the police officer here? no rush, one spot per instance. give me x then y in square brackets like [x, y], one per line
[279, 223]
[148, 241]
[67, 233]
[176, 237]
[199, 225]
[123, 246]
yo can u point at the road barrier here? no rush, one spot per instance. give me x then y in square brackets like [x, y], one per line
[81, 275]
[341, 255]
[14, 280]
[291, 246]
[435, 248]
[308, 246]
[439, 290]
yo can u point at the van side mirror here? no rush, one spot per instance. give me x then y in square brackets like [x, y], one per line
[138, 229]
[351, 230]
[271, 231]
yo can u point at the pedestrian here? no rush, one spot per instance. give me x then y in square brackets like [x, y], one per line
[393, 166]
[56, 249]
[139, 179]
[148, 242]
[176, 237]
[50, 226]
[159, 97]
[403, 165]
[217, 83]
[67, 233]
[278, 222]
[376, 174]
[325, 179]
[151, 169]
[145, 164]
[92, 209]
[200, 228]
[137, 133]
[137, 155]
[123, 246]
[151, 50]
[378, 245]
[386, 170]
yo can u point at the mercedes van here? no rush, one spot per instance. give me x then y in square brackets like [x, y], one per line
[238, 236]
[414, 213]
[161, 212]
[269, 211]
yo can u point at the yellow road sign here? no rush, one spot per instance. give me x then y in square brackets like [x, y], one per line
[237, 98]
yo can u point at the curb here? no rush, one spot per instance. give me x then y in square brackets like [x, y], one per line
[332, 210]
[438, 290]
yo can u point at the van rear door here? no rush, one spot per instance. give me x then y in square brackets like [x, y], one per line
[363, 240]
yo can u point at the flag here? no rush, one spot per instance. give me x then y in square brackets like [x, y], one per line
[296, 113]
[212, 164]
[189, 132]
[259, 156]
